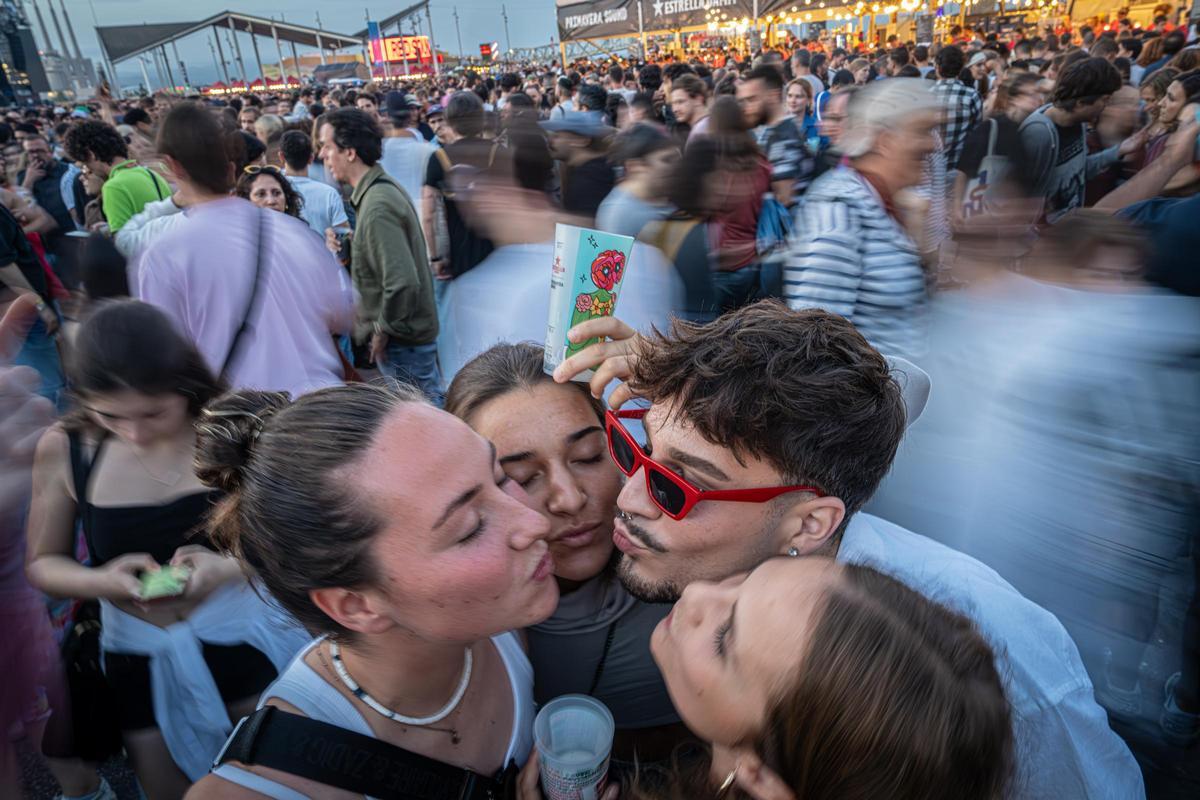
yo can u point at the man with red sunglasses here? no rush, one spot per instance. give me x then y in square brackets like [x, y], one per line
[767, 432]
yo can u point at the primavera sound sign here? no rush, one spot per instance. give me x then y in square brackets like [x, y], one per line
[603, 18]
[598, 18]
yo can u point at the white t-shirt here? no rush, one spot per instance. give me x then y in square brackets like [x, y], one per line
[405, 159]
[323, 207]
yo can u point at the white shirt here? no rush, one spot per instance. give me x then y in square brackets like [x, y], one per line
[201, 273]
[323, 207]
[1064, 745]
[405, 159]
[187, 705]
[506, 298]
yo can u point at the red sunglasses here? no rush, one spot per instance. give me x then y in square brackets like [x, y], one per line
[670, 492]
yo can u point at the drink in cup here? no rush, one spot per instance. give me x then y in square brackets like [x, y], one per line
[574, 736]
[585, 280]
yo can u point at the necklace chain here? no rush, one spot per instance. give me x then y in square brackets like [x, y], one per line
[380, 708]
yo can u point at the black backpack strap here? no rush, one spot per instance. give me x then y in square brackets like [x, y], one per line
[240, 335]
[337, 757]
[81, 473]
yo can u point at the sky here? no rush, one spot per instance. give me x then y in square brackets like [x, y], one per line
[530, 23]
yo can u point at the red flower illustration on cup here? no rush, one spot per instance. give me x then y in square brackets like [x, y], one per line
[607, 269]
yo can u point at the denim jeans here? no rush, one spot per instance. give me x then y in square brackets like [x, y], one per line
[736, 288]
[417, 365]
[41, 353]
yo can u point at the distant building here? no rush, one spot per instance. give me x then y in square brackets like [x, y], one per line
[22, 76]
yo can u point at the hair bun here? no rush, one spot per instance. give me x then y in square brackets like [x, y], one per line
[227, 431]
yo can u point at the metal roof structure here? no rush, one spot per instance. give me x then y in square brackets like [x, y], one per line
[122, 42]
[384, 24]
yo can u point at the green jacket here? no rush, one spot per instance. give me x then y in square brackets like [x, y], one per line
[389, 264]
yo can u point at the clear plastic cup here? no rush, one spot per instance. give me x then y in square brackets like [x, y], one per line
[574, 736]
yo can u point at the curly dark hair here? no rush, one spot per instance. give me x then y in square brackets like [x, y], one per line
[950, 62]
[92, 138]
[293, 202]
[802, 390]
[1085, 82]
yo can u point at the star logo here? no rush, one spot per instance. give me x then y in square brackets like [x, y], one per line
[658, 4]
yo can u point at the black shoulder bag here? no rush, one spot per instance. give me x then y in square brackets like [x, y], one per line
[240, 336]
[337, 757]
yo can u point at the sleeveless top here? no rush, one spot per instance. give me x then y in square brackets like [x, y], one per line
[302, 687]
[113, 531]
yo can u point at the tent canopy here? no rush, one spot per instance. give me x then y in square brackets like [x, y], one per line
[122, 42]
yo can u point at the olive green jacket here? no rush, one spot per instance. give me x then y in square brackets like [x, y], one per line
[389, 264]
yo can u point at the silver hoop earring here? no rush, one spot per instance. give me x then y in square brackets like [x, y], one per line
[792, 552]
[727, 784]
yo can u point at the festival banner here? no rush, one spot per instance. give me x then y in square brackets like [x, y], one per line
[660, 15]
[597, 19]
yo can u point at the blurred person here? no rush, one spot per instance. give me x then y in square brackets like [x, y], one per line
[22, 274]
[816, 641]
[1172, 44]
[465, 118]
[647, 156]
[737, 188]
[963, 106]
[802, 70]
[860, 68]
[564, 93]
[851, 253]
[34, 698]
[689, 106]
[368, 103]
[1054, 136]
[579, 143]
[789, 401]
[122, 465]
[42, 177]
[898, 59]
[922, 60]
[798, 100]
[1072, 347]
[406, 154]
[502, 299]
[776, 132]
[591, 98]
[443, 134]
[227, 266]
[1131, 48]
[322, 207]
[1181, 96]
[1186, 60]
[267, 187]
[831, 127]
[268, 128]
[550, 440]
[993, 147]
[248, 117]
[397, 319]
[1152, 92]
[98, 148]
[377, 481]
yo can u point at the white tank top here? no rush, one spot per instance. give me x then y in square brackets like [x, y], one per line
[300, 686]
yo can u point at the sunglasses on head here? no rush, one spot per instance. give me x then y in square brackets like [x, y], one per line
[255, 169]
[673, 495]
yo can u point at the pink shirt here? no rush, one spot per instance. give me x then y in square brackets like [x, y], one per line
[201, 274]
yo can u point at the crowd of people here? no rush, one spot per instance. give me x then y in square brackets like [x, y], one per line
[882, 482]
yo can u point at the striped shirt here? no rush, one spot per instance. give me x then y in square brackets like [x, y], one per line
[850, 257]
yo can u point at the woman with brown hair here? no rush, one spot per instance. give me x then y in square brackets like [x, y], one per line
[550, 439]
[182, 664]
[388, 528]
[267, 187]
[815, 680]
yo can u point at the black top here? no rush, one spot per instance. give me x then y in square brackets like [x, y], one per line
[586, 186]
[113, 531]
[15, 249]
[467, 248]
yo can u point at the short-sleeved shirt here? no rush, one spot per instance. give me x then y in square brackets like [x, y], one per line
[15, 249]
[127, 190]
[467, 248]
[323, 207]
[783, 145]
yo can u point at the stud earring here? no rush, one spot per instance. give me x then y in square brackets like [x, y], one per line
[793, 552]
